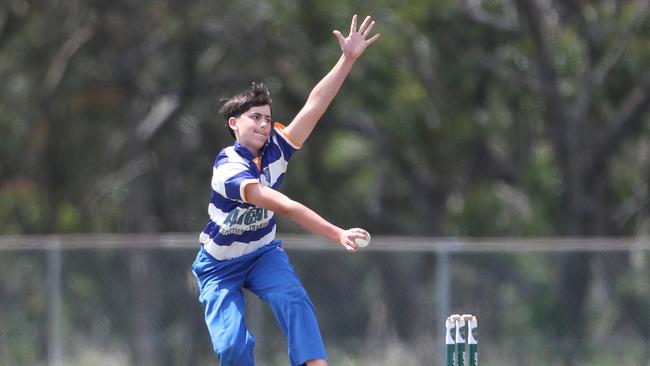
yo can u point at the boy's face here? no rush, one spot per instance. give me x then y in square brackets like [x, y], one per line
[253, 127]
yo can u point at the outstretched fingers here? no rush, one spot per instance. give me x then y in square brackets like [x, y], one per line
[356, 42]
[368, 29]
[353, 25]
[365, 28]
[366, 23]
[373, 38]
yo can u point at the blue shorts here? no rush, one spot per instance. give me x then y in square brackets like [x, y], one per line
[267, 273]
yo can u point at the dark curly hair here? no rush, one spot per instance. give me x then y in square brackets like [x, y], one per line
[257, 95]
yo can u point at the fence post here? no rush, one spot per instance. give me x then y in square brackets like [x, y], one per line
[443, 297]
[54, 349]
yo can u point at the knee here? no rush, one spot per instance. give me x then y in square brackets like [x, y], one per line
[296, 296]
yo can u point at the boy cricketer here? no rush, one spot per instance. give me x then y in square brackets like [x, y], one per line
[238, 245]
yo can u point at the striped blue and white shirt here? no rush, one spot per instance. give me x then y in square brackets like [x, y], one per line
[236, 227]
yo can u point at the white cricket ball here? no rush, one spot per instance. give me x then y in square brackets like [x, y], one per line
[361, 242]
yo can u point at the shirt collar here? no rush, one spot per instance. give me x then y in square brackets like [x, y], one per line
[243, 151]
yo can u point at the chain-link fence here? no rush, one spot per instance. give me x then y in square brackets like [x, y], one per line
[132, 300]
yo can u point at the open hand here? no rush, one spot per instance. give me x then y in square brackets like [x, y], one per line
[355, 43]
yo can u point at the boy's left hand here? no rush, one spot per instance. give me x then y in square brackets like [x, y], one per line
[356, 42]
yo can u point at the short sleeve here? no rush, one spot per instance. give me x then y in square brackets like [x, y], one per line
[229, 180]
[284, 142]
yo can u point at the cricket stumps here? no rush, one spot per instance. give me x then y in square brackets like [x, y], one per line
[461, 340]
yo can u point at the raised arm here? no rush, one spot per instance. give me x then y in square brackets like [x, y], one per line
[270, 199]
[323, 93]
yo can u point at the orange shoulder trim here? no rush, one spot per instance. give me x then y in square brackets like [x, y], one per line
[280, 128]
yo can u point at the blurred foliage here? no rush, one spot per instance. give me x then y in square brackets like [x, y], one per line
[442, 105]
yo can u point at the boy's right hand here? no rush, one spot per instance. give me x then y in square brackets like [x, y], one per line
[348, 236]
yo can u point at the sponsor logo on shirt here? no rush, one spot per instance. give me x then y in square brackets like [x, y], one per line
[240, 220]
